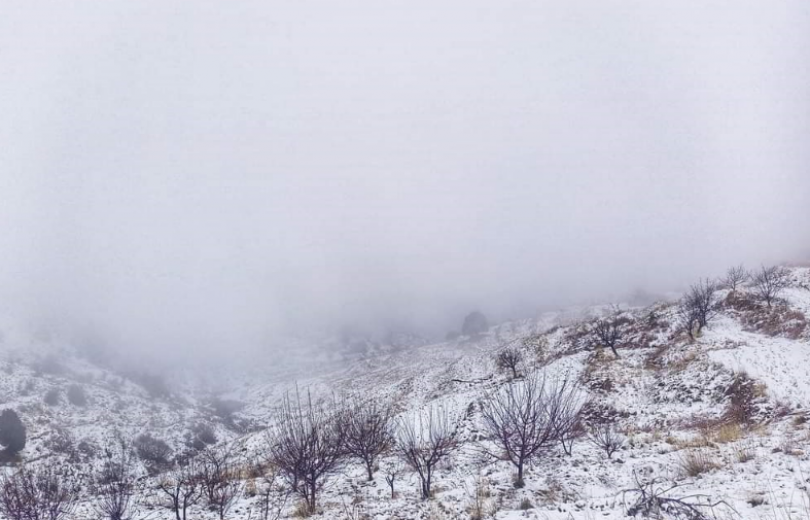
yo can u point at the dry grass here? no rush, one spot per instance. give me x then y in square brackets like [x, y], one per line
[726, 433]
[696, 462]
[744, 452]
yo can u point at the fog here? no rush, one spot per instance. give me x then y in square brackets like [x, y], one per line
[212, 177]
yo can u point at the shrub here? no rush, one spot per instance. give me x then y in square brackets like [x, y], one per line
[52, 397]
[226, 408]
[45, 493]
[475, 323]
[201, 436]
[76, 395]
[695, 463]
[150, 449]
[606, 437]
[12, 432]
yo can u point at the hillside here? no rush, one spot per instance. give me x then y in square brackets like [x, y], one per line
[719, 419]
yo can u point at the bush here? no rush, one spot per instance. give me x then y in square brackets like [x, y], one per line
[12, 432]
[46, 493]
[52, 397]
[226, 408]
[76, 395]
[695, 463]
[200, 436]
[475, 323]
[150, 449]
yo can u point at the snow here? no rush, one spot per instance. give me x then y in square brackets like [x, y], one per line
[667, 393]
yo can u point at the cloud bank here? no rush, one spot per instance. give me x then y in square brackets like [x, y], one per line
[203, 176]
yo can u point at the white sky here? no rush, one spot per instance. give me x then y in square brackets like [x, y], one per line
[212, 173]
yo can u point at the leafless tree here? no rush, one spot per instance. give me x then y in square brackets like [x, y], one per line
[510, 359]
[525, 419]
[115, 484]
[735, 277]
[214, 470]
[425, 440]
[607, 332]
[606, 437]
[392, 472]
[699, 307]
[565, 402]
[224, 496]
[274, 496]
[306, 446]
[216, 473]
[367, 431]
[183, 487]
[38, 494]
[769, 283]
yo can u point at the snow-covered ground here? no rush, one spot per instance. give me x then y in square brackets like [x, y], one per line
[735, 400]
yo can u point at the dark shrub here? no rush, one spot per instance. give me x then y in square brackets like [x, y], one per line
[150, 449]
[225, 408]
[76, 395]
[474, 323]
[52, 397]
[201, 436]
[12, 432]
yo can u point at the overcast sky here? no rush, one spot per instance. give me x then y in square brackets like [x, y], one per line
[210, 174]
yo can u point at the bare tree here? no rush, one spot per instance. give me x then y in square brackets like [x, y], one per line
[38, 494]
[769, 283]
[367, 431]
[392, 472]
[510, 359]
[525, 419]
[216, 474]
[214, 470]
[699, 307]
[115, 484]
[306, 446]
[607, 332]
[606, 437]
[183, 487]
[273, 495]
[426, 440]
[735, 277]
[565, 402]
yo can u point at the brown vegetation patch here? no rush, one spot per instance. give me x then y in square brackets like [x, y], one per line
[779, 320]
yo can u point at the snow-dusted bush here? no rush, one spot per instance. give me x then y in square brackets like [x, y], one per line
[52, 397]
[38, 494]
[151, 449]
[76, 395]
[200, 436]
[606, 437]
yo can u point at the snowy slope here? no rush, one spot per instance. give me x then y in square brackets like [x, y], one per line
[736, 398]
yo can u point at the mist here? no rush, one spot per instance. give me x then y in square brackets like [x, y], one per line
[211, 177]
